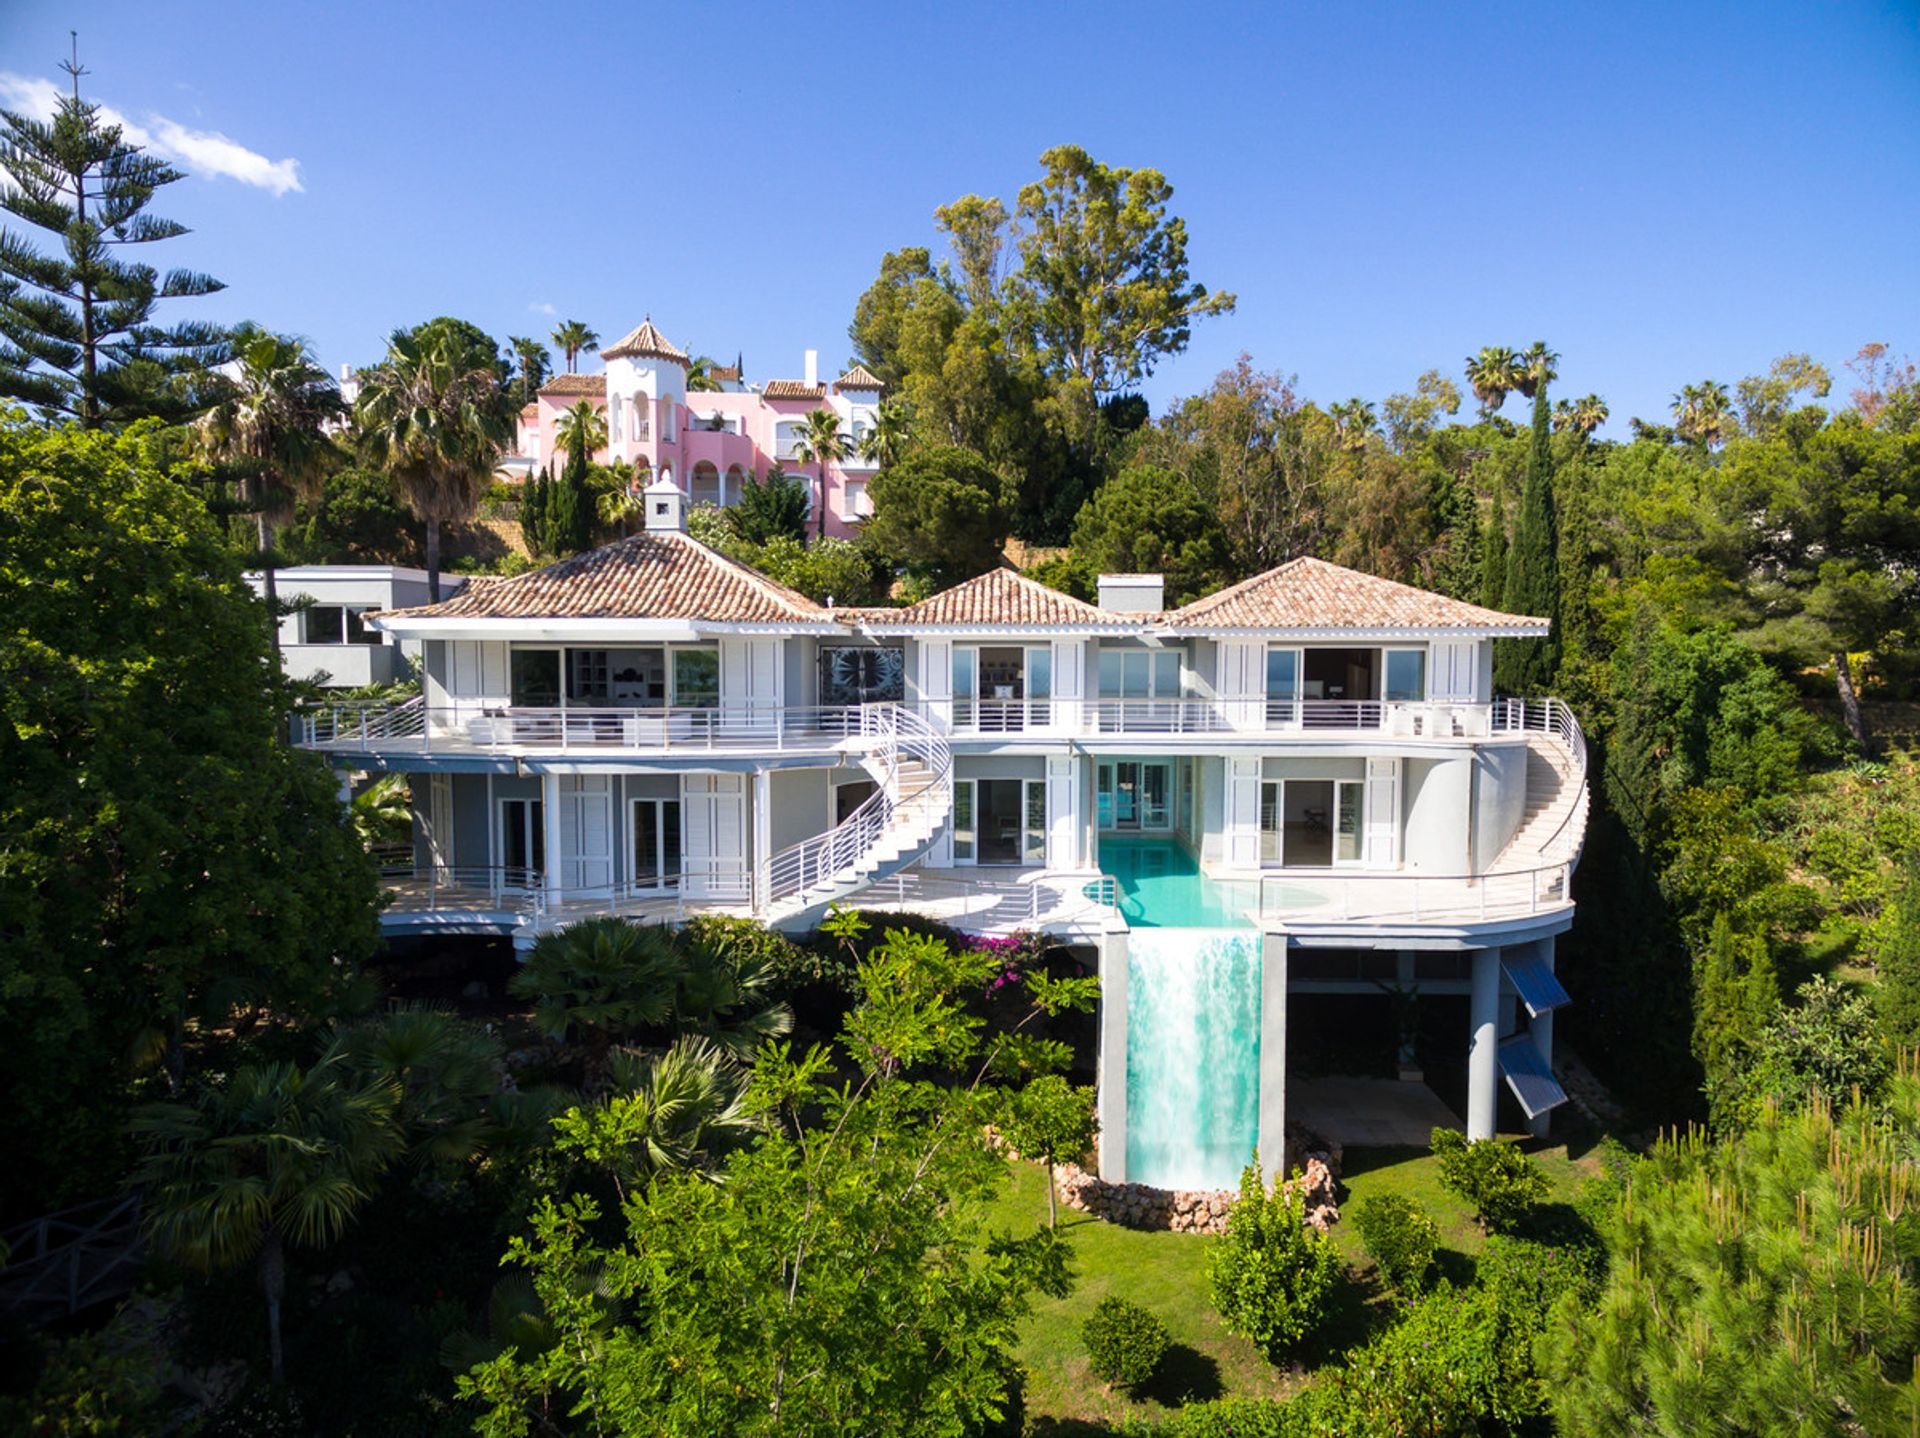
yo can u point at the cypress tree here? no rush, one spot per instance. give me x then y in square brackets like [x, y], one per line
[1493, 555]
[570, 507]
[1527, 666]
[534, 501]
[1898, 961]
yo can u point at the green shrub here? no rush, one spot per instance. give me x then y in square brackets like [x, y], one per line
[1399, 1237]
[1270, 1274]
[1124, 1342]
[1501, 1182]
[1243, 1418]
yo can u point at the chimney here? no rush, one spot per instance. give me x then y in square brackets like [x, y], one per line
[1132, 593]
[813, 367]
[665, 506]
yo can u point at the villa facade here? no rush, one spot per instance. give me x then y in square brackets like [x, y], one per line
[708, 442]
[1308, 771]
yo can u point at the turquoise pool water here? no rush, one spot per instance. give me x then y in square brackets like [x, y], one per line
[1161, 887]
[1193, 1055]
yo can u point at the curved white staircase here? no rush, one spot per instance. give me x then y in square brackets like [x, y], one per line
[1553, 827]
[912, 766]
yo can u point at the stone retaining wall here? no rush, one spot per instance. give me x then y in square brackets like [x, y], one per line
[1135, 1205]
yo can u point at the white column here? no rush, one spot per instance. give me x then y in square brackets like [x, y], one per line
[1540, 1030]
[344, 780]
[763, 834]
[550, 818]
[1483, 1067]
[1111, 1073]
[1273, 1055]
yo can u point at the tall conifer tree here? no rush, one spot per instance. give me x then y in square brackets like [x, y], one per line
[1493, 555]
[77, 335]
[1527, 666]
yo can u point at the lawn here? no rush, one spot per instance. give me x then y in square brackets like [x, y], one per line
[1167, 1273]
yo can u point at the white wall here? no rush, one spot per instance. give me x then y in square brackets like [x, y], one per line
[1500, 799]
[802, 805]
[1436, 806]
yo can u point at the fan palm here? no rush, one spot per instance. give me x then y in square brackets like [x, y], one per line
[1493, 374]
[1537, 367]
[587, 418]
[1703, 413]
[1353, 421]
[885, 442]
[534, 361]
[269, 426]
[571, 337]
[600, 980]
[727, 996]
[445, 1072]
[277, 1156]
[435, 416]
[1583, 415]
[666, 1112]
[700, 378]
[383, 811]
[821, 443]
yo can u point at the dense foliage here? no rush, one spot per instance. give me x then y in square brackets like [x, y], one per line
[171, 863]
[1125, 1342]
[1271, 1274]
[1399, 1237]
[1497, 1179]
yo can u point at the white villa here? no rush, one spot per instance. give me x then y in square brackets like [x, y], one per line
[1302, 784]
[323, 634]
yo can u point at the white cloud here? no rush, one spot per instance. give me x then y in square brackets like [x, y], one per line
[541, 307]
[201, 152]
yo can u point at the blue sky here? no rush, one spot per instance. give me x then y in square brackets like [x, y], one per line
[1664, 193]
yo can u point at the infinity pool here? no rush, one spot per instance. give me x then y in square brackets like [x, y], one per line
[1161, 887]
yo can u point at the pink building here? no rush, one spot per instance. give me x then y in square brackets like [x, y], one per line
[708, 443]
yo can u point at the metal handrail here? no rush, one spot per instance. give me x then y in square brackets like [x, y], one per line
[1556, 718]
[506, 728]
[1482, 888]
[819, 861]
[508, 888]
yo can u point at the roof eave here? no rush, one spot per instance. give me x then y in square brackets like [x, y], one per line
[1374, 631]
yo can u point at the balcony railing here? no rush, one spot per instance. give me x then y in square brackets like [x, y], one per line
[1359, 897]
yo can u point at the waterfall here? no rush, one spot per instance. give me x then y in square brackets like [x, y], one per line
[1193, 1056]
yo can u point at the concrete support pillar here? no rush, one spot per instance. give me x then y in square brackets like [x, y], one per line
[1483, 1066]
[1273, 1054]
[1111, 1071]
[1540, 1029]
[550, 821]
[763, 834]
[344, 777]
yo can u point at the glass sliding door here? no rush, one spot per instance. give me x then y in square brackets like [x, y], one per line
[656, 843]
[1311, 823]
[965, 849]
[1035, 833]
[966, 687]
[1346, 821]
[522, 844]
[1283, 687]
[1135, 794]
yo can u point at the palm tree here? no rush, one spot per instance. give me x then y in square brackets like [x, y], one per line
[276, 1156]
[1583, 415]
[434, 415]
[1537, 367]
[269, 426]
[534, 362]
[726, 994]
[587, 417]
[1703, 413]
[885, 442]
[383, 811]
[669, 1112]
[1353, 421]
[572, 336]
[1493, 374]
[821, 443]
[598, 981]
[615, 506]
[444, 1071]
[700, 378]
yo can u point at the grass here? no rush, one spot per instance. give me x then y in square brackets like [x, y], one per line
[1167, 1273]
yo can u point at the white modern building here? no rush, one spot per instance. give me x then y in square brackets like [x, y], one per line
[324, 635]
[1303, 784]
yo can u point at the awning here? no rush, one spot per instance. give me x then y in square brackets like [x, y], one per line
[1529, 1076]
[1532, 978]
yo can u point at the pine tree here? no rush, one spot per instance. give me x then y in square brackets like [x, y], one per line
[77, 335]
[1899, 961]
[1493, 555]
[1527, 666]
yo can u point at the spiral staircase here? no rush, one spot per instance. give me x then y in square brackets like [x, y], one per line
[912, 766]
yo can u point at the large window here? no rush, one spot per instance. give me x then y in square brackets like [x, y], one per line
[336, 624]
[535, 677]
[1134, 794]
[1283, 685]
[656, 843]
[1406, 681]
[1310, 823]
[999, 688]
[1139, 673]
[696, 678]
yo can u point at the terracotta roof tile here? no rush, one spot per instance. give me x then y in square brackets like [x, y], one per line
[859, 377]
[1310, 593]
[1003, 598]
[576, 385]
[646, 342]
[792, 389]
[725, 373]
[657, 575]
